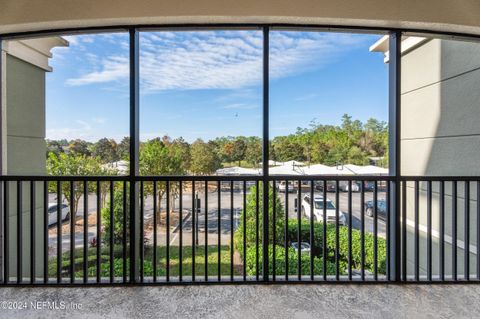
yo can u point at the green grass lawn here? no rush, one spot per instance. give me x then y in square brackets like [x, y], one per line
[187, 258]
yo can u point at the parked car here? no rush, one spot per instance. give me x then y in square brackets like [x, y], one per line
[381, 208]
[318, 210]
[345, 186]
[304, 247]
[52, 213]
[330, 186]
[369, 186]
[282, 186]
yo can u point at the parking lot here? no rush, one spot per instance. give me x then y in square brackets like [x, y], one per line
[212, 217]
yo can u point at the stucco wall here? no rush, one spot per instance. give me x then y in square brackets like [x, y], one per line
[441, 136]
[25, 153]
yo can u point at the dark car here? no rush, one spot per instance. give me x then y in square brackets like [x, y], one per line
[369, 186]
[330, 186]
[381, 208]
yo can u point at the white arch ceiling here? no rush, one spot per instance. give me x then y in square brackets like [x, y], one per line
[438, 15]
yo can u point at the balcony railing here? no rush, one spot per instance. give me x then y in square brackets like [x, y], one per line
[211, 229]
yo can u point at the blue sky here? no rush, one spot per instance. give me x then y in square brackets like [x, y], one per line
[208, 84]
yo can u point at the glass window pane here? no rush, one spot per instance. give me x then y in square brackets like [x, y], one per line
[328, 103]
[66, 98]
[201, 99]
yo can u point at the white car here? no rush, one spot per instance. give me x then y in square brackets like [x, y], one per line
[318, 210]
[345, 186]
[53, 215]
[282, 186]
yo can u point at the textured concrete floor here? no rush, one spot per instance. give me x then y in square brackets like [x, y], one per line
[294, 301]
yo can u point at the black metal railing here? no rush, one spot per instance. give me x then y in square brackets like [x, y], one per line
[199, 229]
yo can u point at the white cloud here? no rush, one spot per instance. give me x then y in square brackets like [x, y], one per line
[81, 130]
[219, 60]
[113, 68]
[307, 97]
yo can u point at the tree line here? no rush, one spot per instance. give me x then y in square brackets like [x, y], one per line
[350, 142]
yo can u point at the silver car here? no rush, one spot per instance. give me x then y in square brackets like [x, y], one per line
[53, 215]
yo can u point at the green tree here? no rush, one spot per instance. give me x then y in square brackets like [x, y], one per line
[118, 214]
[253, 153]
[163, 157]
[204, 160]
[106, 150]
[72, 165]
[80, 147]
[239, 148]
[123, 149]
[251, 217]
[288, 148]
[56, 146]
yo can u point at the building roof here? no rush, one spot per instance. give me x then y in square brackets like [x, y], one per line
[408, 43]
[237, 171]
[36, 51]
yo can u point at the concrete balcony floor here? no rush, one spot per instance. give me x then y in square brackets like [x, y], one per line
[253, 301]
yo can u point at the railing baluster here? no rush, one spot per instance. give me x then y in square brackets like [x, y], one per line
[299, 231]
[350, 230]
[167, 207]
[375, 231]
[59, 231]
[244, 230]
[112, 225]
[429, 230]
[478, 230]
[286, 230]
[99, 232]
[324, 239]
[32, 232]
[85, 232]
[142, 233]
[194, 229]
[274, 231]
[388, 232]
[454, 231]
[206, 230]
[45, 231]
[256, 229]
[72, 233]
[219, 227]
[404, 230]
[442, 231]
[19, 233]
[337, 229]
[231, 230]
[417, 233]
[124, 235]
[180, 221]
[6, 238]
[362, 231]
[154, 231]
[312, 204]
[466, 227]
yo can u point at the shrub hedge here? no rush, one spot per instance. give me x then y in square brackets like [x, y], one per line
[317, 249]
